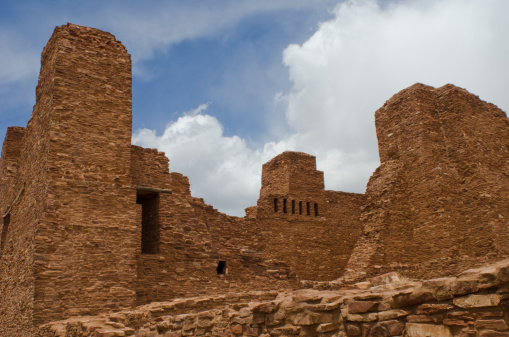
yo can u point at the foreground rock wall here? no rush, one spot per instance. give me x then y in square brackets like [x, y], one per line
[439, 202]
[473, 304]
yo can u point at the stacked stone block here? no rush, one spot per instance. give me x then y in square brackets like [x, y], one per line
[473, 304]
[439, 202]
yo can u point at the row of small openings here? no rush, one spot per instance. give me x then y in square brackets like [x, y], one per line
[285, 209]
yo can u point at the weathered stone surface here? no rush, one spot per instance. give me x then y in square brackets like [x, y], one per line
[443, 154]
[428, 309]
[427, 330]
[353, 329]
[362, 306]
[489, 333]
[477, 301]
[71, 185]
[298, 313]
[391, 314]
[494, 324]
[387, 328]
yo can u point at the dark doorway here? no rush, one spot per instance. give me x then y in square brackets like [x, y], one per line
[149, 222]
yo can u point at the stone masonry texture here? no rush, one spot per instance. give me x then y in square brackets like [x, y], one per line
[99, 238]
[472, 304]
[439, 202]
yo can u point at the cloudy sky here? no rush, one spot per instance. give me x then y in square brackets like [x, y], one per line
[223, 86]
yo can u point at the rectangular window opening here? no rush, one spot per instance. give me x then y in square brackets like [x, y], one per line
[5, 226]
[308, 208]
[300, 207]
[284, 206]
[221, 268]
[316, 210]
[275, 205]
[149, 222]
[293, 206]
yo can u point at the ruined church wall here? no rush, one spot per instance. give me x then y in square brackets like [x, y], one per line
[193, 239]
[291, 188]
[472, 304]
[439, 201]
[344, 212]
[316, 231]
[27, 200]
[86, 237]
[17, 230]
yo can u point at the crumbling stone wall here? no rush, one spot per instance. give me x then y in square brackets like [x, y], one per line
[16, 235]
[473, 304]
[93, 224]
[89, 222]
[316, 230]
[73, 192]
[82, 266]
[439, 202]
[192, 254]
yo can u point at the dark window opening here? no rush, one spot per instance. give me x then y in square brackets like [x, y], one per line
[284, 206]
[149, 222]
[275, 205]
[5, 227]
[293, 206]
[300, 207]
[221, 268]
[316, 209]
[308, 208]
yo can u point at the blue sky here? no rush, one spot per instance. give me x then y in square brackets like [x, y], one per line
[223, 86]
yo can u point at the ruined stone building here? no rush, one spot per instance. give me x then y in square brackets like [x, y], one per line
[91, 223]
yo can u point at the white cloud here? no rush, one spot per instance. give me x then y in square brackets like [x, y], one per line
[340, 76]
[222, 170]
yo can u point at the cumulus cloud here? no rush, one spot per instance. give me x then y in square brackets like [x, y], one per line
[222, 170]
[340, 76]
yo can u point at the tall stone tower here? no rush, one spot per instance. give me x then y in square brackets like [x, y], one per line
[69, 233]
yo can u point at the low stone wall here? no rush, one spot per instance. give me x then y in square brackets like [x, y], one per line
[473, 304]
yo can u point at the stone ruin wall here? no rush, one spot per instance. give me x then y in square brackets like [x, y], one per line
[81, 266]
[16, 238]
[439, 202]
[73, 188]
[193, 239]
[69, 192]
[315, 245]
[472, 304]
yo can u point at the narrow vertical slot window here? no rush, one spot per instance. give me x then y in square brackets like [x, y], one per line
[5, 227]
[275, 205]
[308, 208]
[221, 268]
[316, 210]
[284, 206]
[149, 222]
[300, 207]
